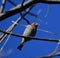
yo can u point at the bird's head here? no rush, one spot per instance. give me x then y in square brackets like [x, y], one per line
[34, 25]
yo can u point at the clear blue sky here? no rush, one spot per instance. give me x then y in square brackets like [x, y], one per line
[32, 48]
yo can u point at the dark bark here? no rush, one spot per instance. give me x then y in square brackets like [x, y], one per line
[34, 38]
[26, 5]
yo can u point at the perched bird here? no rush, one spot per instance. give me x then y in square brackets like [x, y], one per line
[29, 31]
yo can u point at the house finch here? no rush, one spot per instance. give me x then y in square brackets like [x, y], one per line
[29, 31]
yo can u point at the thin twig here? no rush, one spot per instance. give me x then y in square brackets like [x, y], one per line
[48, 32]
[20, 12]
[2, 6]
[13, 25]
[27, 4]
[53, 54]
[34, 38]
[5, 43]
[57, 54]
[48, 9]
[55, 50]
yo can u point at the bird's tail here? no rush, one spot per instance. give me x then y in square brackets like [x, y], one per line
[20, 47]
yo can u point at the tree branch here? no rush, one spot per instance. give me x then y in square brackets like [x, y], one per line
[34, 38]
[57, 54]
[26, 5]
[2, 6]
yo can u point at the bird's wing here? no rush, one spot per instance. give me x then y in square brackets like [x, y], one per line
[27, 31]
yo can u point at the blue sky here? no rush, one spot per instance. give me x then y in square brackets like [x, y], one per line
[32, 48]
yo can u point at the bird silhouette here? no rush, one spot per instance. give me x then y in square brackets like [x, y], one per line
[29, 31]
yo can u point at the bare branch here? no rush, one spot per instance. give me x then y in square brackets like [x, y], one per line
[57, 54]
[2, 6]
[48, 32]
[27, 4]
[13, 25]
[47, 12]
[34, 38]
[20, 12]
[22, 3]
[54, 53]
[15, 10]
